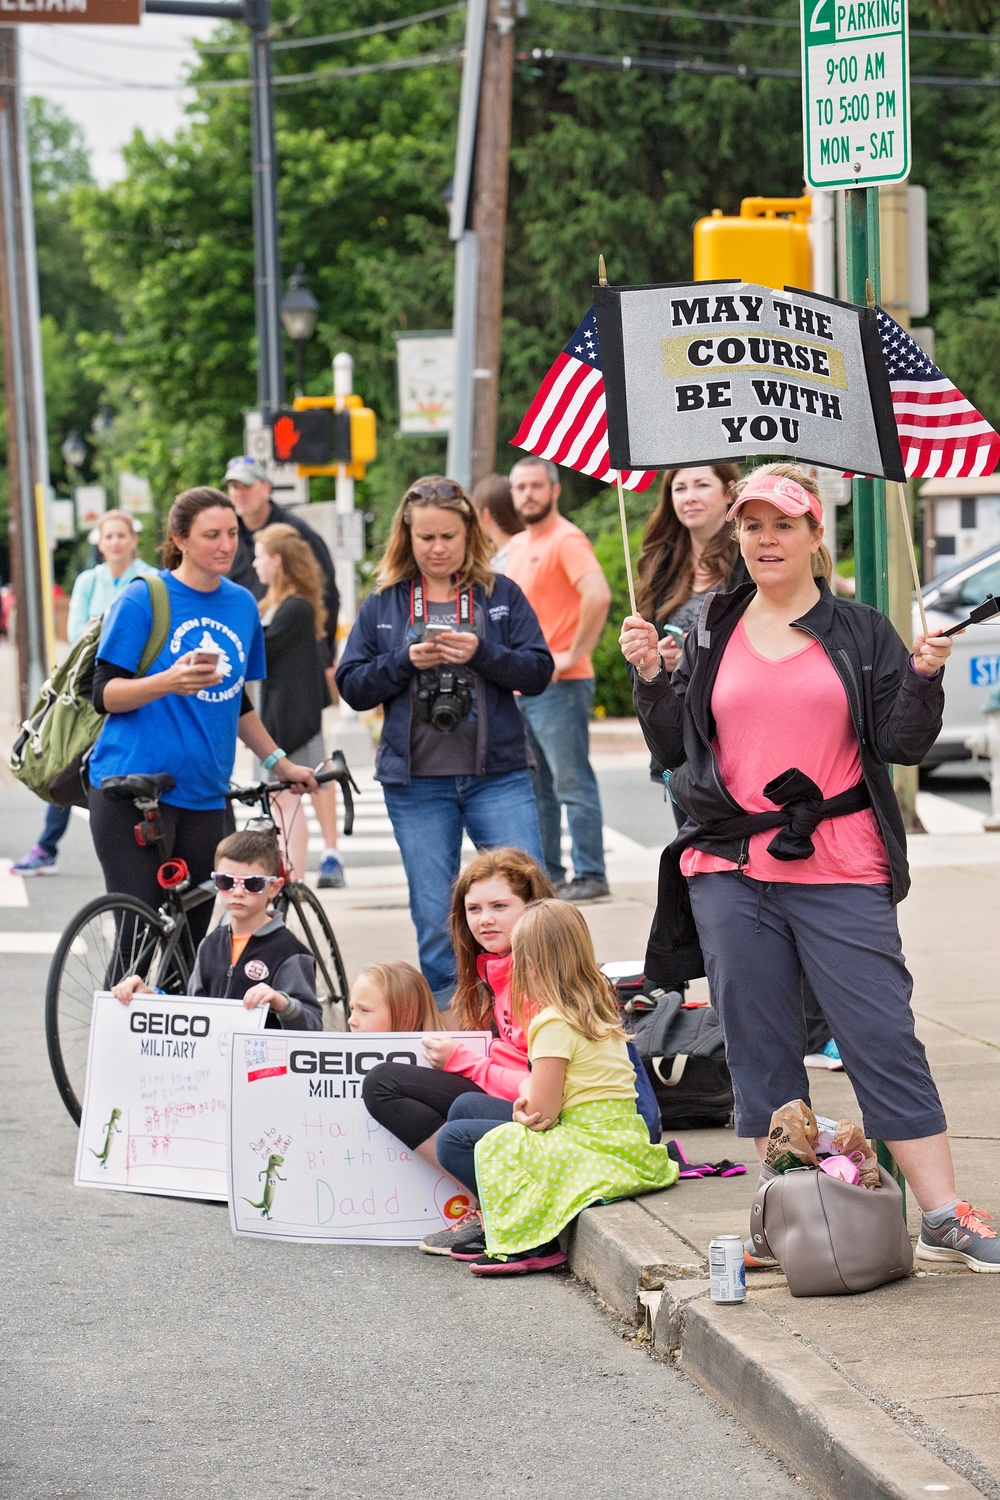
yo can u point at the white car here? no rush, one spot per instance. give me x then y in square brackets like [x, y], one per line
[974, 668]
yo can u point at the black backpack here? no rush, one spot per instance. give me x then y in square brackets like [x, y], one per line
[683, 1052]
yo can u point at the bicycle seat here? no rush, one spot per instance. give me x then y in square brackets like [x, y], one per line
[128, 788]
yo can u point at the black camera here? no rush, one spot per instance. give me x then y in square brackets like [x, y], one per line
[444, 697]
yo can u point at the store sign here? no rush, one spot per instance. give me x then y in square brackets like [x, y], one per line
[70, 12]
[425, 365]
[855, 92]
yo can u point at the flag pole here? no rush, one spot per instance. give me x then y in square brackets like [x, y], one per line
[602, 279]
[908, 533]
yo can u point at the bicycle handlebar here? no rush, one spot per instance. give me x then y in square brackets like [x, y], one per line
[340, 773]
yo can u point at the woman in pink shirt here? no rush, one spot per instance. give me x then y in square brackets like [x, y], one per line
[780, 723]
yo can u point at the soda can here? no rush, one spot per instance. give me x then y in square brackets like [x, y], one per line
[726, 1269]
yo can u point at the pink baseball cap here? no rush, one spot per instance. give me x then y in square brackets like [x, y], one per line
[786, 494]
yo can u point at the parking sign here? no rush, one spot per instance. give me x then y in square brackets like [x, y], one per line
[855, 92]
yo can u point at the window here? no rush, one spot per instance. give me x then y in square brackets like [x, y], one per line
[968, 521]
[986, 580]
[944, 546]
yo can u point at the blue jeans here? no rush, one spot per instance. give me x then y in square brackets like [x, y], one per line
[427, 818]
[557, 722]
[56, 824]
[470, 1118]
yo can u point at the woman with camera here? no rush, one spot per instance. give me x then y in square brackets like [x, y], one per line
[442, 644]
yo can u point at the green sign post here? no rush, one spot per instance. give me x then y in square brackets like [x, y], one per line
[856, 136]
[855, 92]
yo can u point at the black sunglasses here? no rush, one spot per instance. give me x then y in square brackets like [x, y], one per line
[252, 884]
[444, 489]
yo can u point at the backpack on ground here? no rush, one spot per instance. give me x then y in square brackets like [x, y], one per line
[682, 1048]
[50, 754]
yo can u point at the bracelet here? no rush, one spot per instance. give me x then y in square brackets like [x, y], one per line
[272, 759]
[659, 669]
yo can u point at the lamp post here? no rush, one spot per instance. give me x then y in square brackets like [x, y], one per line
[299, 309]
[74, 451]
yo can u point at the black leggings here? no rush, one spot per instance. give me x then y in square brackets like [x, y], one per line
[190, 835]
[413, 1102]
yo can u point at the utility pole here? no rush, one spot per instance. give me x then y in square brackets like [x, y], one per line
[466, 242]
[26, 436]
[489, 221]
[256, 14]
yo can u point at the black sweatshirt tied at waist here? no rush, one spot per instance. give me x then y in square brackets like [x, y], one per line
[801, 807]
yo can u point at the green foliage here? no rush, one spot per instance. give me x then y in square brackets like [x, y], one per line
[603, 160]
[613, 686]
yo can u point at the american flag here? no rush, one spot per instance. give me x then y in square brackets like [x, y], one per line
[940, 433]
[265, 1058]
[567, 422]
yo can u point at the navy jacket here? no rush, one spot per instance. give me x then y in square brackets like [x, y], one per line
[512, 657]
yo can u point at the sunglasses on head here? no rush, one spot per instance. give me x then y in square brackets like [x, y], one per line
[252, 884]
[444, 489]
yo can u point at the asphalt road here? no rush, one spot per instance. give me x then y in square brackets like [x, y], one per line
[149, 1355]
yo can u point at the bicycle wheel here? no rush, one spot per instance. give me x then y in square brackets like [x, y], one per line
[304, 916]
[108, 939]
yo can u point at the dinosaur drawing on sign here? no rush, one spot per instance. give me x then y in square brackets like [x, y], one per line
[110, 1129]
[273, 1177]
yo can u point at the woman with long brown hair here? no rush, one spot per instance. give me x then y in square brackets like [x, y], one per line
[183, 715]
[293, 695]
[442, 644]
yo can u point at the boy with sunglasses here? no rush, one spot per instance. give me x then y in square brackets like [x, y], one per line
[253, 956]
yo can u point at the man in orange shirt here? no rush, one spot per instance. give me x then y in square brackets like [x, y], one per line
[554, 565]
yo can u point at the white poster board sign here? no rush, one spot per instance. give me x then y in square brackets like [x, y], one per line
[135, 494]
[425, 363]
[157, 1095]
[91, 503]
[307, 1161]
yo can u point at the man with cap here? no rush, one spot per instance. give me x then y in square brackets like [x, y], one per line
[249, 489]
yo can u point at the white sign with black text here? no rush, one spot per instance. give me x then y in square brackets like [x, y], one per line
[307, 1161]
[157, 1095]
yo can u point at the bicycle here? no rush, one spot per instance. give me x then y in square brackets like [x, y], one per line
[117, 935]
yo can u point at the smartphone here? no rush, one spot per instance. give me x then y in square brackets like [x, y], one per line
[435, 628]
[673, 633]
[205, 658]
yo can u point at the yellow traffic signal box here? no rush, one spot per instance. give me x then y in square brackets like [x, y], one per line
[768, 244]
[355, 441]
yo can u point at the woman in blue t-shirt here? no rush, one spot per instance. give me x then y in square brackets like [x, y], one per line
[185, 714]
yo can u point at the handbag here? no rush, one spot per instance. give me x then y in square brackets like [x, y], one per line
[829, 1237]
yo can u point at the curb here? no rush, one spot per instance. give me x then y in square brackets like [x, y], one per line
[828, 1432]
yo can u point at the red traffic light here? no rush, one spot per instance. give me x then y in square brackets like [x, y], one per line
[303, 437]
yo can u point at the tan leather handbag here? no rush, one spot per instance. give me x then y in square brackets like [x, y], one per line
[830, 1237]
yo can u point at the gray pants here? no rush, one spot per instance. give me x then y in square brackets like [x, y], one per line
[758, 939]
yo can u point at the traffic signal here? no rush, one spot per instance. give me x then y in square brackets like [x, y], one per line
[302, 437]
[768, 244]
[352, 436]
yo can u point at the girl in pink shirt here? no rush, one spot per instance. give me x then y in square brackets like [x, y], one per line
[489, 896]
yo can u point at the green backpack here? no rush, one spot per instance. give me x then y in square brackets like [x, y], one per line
[50, 754]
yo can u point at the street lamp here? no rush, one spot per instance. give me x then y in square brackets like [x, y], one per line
[299, 309]
[74, 450]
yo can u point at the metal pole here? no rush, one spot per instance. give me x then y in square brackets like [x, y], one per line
[267, 257]
[459, 460]
[25, 560]
[343, 385]
[871, 570]
[870, 548]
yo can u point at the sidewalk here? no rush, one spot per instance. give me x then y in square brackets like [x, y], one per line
[891, 1394]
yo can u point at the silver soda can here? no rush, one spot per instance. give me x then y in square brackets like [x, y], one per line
[726, 1269]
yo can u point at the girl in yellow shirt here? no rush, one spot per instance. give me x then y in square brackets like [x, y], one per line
[577, 1137]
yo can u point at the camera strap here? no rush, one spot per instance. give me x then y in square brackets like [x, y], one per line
[418, 605]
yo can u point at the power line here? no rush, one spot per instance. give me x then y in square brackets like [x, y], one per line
[318, 77]
[739, 70]
[728, 20]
